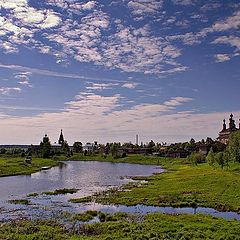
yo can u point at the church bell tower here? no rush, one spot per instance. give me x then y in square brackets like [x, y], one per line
[61, 138]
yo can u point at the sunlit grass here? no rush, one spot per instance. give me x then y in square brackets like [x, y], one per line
[18, 166]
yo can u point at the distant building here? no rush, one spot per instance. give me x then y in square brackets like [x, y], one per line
[61, 138]
[90, 147]
[177, 154]
[225, 133]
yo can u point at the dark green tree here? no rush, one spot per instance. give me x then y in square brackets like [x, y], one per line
[209, 141]
[45, 147]
[233, 148]
[114, 150]
[65, 147]
[196, 158]
[77, 147]
[210, 157]
[221, 159]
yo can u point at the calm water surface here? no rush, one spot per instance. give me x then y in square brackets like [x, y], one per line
[89, 177]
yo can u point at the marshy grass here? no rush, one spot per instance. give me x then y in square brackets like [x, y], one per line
[62, 191]
[19, 201]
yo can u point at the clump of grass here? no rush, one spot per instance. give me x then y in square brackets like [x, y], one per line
[19, 201]
[61, 191]
[81, 200]
[32, 195]
[85, 217]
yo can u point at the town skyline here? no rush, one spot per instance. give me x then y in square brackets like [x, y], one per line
[108, 70]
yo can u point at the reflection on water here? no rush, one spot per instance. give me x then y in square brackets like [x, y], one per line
[88, 177]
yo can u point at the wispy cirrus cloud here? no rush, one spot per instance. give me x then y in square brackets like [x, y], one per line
[190, 38]
[210, 6]
[231, 23]
[184, 2]
[103, 118]
[23, 79]
[9, 90]
[44, 72]
[101, 86]
[176, 101]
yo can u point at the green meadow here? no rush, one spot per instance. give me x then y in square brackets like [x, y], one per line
[17, 165]
[181, 185]
[123, 226]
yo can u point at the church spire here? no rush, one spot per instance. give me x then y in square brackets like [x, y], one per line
[61, 138]
[224, 125]
[231, 122]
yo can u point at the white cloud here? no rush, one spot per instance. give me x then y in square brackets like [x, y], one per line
[94, 104]
[44, 72]
[73, 5]
[98, 115]
[89, 5]
[184, 2]
[101, 86]
[84, 39]
[23, 79]
[210, 6]
[8, 47]
[51, 20]
[137, 50]
[130, 85]
[176, 101]
[94, 117]
[25, 83]
[231, 40]
[222, 57]
[21, 22]
[9, 90]
[142, 7]
[230, 23]
[28, 15]
[12, 4]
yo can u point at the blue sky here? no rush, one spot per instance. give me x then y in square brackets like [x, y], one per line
[168, 70]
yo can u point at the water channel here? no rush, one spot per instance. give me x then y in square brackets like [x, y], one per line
[89, 177]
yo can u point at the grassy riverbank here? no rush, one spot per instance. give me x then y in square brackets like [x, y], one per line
[123, 226]
[16, 166]
[134, 159]
[183, 185]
